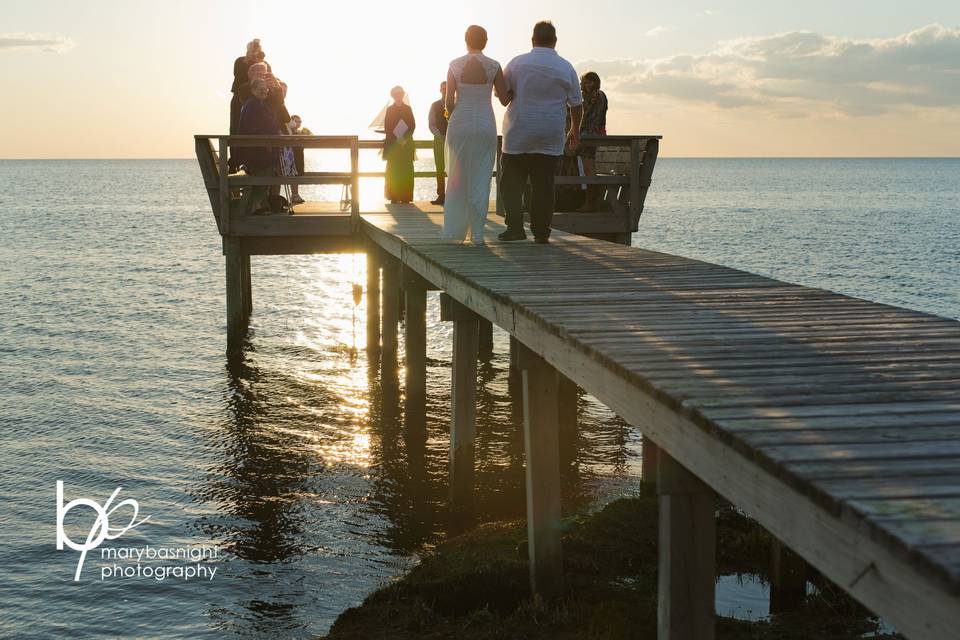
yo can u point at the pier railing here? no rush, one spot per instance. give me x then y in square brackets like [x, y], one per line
[624, 170]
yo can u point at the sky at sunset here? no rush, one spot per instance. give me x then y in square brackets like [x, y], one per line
[135, 79]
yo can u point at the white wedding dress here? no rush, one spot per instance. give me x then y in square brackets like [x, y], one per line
[471, 150]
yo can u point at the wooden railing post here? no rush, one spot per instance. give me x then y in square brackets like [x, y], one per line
[223, 150]
[635, 203]
[687, 549]
[541, 440]
[355, 184]
[650, 152]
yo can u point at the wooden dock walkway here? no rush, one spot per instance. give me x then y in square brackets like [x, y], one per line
[833, 421]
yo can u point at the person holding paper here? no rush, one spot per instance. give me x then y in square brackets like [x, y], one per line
[398, 148]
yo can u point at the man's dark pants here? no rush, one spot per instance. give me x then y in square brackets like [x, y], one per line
[540, 169]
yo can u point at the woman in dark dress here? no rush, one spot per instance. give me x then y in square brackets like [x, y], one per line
[398, 148]
[241, 67]
[594, 123]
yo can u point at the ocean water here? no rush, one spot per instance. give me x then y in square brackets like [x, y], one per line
[292, 464]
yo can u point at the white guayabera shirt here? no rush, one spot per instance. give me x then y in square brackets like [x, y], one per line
[544, 85]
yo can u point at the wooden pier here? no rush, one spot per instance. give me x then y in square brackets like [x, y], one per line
[833, 421]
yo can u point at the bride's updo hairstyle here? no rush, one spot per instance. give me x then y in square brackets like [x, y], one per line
[476, 37]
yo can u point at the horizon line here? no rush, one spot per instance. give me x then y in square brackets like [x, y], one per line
[675, 157]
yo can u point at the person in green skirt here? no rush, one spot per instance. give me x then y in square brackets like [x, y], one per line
[398, 148]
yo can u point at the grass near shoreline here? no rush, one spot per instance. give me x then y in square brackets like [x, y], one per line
[474, 586]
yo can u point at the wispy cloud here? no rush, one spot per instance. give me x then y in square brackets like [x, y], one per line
[804, 71]
[705, 13]
[656, 31]
[50, 43]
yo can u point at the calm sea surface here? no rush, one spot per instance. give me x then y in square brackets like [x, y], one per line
[293, 465]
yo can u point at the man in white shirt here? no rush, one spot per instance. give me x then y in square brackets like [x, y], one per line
[535, 132]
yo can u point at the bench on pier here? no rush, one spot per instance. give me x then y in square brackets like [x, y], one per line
[624, 172]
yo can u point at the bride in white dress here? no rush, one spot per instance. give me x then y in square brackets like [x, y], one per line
[471, 138]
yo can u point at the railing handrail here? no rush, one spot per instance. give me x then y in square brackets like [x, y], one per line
[635, 183]
[346, 141]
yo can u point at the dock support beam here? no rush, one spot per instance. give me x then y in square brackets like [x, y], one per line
[687, 549]
[373, 304]
[788, 578]
[236, 306]
[541, 440]
[247, 287]
[648, 461]
[514, 351]
[485, 333]
[568, 394]
[463, 410]
[390, 311]
[415, 339]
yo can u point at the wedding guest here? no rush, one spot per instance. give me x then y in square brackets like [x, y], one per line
[297, 129]
[543, 86]
[594, 123]
[256, 118]
[398, 148]
[276, 100]
[438, 127]
[276, 93]
[240, 78]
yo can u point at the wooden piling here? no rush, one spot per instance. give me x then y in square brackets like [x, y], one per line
[514, 351]
[463, 400]
[542, 446]
[648, 460]
[485, 338]
[788, 578]
[568, 394]
[247, 287]
[373, 302]
[415, 339]
[390, 311]
[233, 270]
[687, 554]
